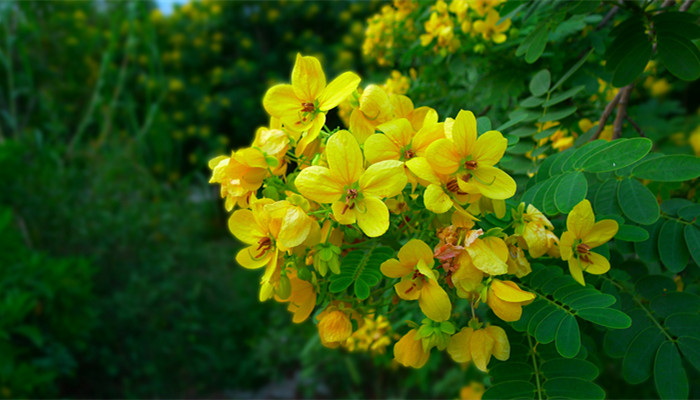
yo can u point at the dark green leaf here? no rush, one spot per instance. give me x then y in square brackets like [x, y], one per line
[586, 151]
[511, 371]
[619, 154]
[669, 375]
[539, 42]
[608, 317]
[539, 84]
[692, 240]
[672, 168]
[568, 340]
[637, 202]
[605, 201]
[636, 366]
[558, 98]
[617, 341]
[651, 286]
[684, 324]
[689, 213]
[648, 250]
[672, 249]
[571, 70]
[510, 390]
[631, 233]
[632, 64]
[690, 347]
[595, 300]
[532, 102]
[547, 328]
[556, 115]
[679, 55]
[572, 388]
[565, 367]
[675, 302]
[571, 190]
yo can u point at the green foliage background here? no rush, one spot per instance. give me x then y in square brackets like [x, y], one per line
[117, 276]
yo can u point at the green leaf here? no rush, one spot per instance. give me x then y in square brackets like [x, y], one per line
[556, 99]
[548, 201]
[671, 168]
[572, 388]
[637, 364]
[684, 324]
[547, 328]
[572, 70]
[584, 152]
[692, 240]
[605, 201]
[689, 213]
[679, 55]
[539, 42]
[637, 202]
[362, 269]
[669, 375]
[672, 206]
[648, 250]
[632, 64]
[631, 233]
[571, 190]
[619, 154]
[690, 347]
[511, 371]
[651, 286]
[532, 102]
[608, 317]
[594, 300]
[568, 340]
[539, 84]
[675, 302]
[672, 249]
[569, 367]
[617, 341]
[510, 390]
[556, 115]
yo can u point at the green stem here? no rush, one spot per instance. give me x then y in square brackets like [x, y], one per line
[534, 365]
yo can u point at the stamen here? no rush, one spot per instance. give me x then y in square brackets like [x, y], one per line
[583, 248]
[307, 107]
[470, 165]
[453, 187]
[409, 154]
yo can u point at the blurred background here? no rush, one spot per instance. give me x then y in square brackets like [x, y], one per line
[117, 272]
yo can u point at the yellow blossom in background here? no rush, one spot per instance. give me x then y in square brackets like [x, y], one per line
[473, 391]
[490, 29]
[582, 235]
[373, 336]
[409, 351]
[355, 193]
[694, 140]
[335, 325]
[397, 83]
[302, 106]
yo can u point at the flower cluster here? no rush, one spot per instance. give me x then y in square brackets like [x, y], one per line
[305, 197]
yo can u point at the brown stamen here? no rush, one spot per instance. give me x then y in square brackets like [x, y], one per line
[264, 244]
[351, 195]
[583, 248]
[453, 187]
[307, 107]
[409, 154]
[470, 165]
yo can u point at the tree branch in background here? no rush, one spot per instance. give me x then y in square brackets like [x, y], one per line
[606, 114]
[621, 110]
[686, 5]
[635, 126]
[607, 18]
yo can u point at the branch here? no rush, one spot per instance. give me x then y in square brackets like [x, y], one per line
[621, 110]
[606, 114]
[607, 18]
[686, 5]
[635, 126]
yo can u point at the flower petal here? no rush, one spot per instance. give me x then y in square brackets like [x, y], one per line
[308, 79]
[372, 216]
[383, 179]
[338, 90]
[380, 147]
[422, 169]
[485, 259]
[581, 219]
[280, 101]
[501, 346]
[408, 351]
[576, 271]
[415, 250]
[598, 265]
[463, 133]
[406, 289]
[443, 156]
[399, 131]
[244, 227]
[317, 184]
[428, 134]
[459, 346]
[481, 346]
[343, 214]
[393, 268]
[509, 291]
[489, 148]
[295, 228]
[360, 126]
[565, 245]
[493, 183]
[436, 200]
[434, 301]
[246, 258]
[601, 233]
[344, 157]
[504, 310]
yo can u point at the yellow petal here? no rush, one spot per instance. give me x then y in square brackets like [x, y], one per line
[399, 131]
[380, 148]
[464, 133]
[393, 268]
[295, 228]
[434, 301]
[422, 169]
[375, 104]
[409, 351]
[581, 219]
[280, 102]
[509, 291]
[501, 346]
[459, 346]
[343, 214]
[489, 148]
[428, 134]
[407, 289]
[504, 310]
[535, 236]
[338, 90]
[498, 246]
[599, 264]
[485, 259]
[383, 179]
[493, 183]
[443, 156]
[601, 233]
[402, 105]
[317, 184]
[335, 327]
[244, 227]
[481, 346]
[436, 200]
[344, 157]
[565, 245]
[415, 250]
[576, 271]
[360, 126]
[372, 216]
[311, 134]
[308, 79]
[246, 257]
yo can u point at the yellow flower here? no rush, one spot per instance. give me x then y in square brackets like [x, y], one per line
[419, 279]
[506, 299]
[478, 345]
[536, 233]
[442, 192]
[400, 141]
[518, 264]
[473, 391]
[466, 278]
[302, 299]
[470, 160]
[694, 140]
[409, 351]
[355, 193]
[374, 108]
[373, 336]
[582, 235]
[334, 325]
[302, 106]
[490, 29]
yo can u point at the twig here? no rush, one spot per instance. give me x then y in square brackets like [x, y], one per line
[635, 126]
[606, 114]
[668, 3]
[621, 110]
[607, 18]
[484, 111]
[686, 5]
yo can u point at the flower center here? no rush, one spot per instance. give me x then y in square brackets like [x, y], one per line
[307, 107]
[470, 165]
[583, 250]
[408, 154]
[264, 244]
[350, 195]
[453, 187]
